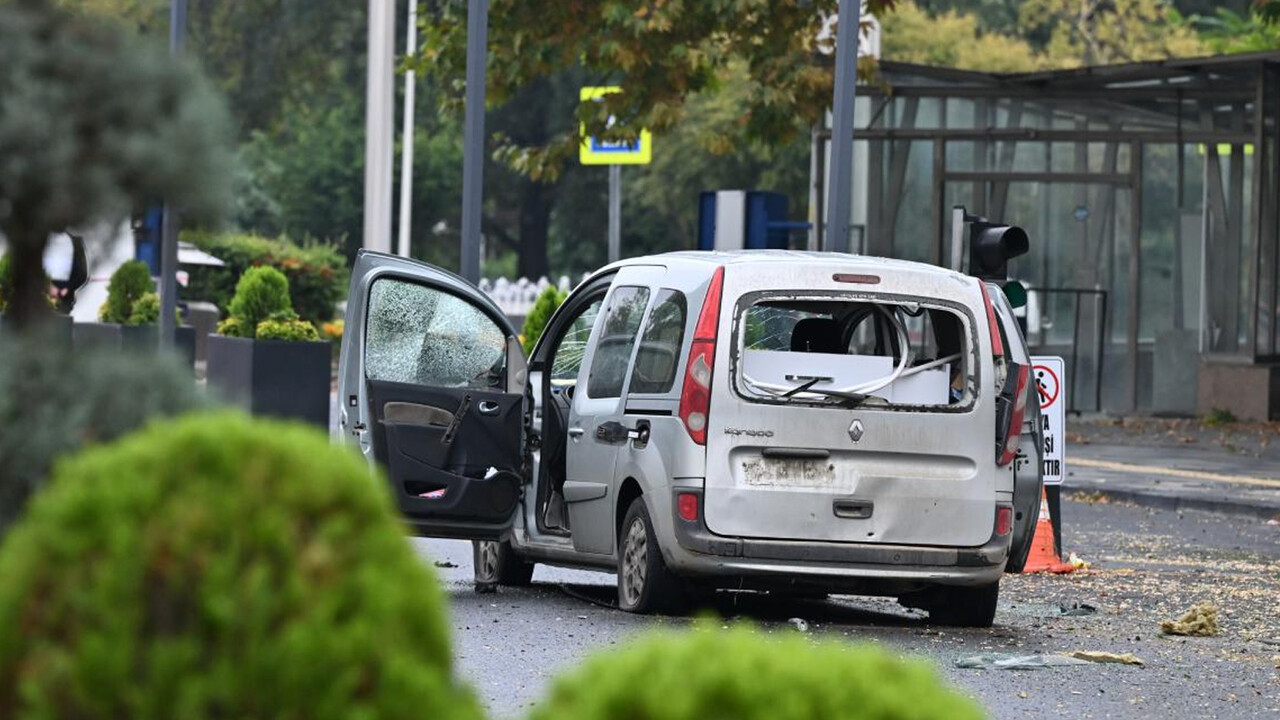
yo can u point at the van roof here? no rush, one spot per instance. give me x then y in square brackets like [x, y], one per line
[799, 257]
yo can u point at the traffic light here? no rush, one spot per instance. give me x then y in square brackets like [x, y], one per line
[991, 246]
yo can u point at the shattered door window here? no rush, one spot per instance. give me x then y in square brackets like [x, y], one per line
[617, 338]
[424, 336]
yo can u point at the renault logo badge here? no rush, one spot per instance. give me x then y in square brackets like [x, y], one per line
[855, 430]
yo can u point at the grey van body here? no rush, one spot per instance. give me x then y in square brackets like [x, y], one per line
[587, 454]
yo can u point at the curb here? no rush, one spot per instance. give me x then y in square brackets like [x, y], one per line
[1176, 503]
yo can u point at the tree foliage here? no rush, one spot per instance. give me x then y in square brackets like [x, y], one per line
[661, 53]
[95, 123]
[53, 403]
[1100, 32]
[1227, 31]
[952, 39]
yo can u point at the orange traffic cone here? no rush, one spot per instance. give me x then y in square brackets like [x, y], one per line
[1044, 556]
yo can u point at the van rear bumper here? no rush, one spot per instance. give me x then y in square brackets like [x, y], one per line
[705, 551]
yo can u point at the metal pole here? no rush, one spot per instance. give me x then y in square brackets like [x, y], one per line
[473, 138]
[957, 237]
[406, 153]
[615, 212]
[841, 182]
[169, 227]
[379, 126]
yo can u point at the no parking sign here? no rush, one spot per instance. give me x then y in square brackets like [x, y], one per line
[1049, 376]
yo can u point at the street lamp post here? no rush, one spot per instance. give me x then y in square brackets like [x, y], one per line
[473, 137]
[841, 178]
[379, 126]
[406, 153]
[169, 226]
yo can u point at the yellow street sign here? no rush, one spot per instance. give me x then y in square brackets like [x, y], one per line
[594, 151]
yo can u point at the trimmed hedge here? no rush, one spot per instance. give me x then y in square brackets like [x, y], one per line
[317, 274]
[739, 673]
[220, 567]
[291, 330]
[261, 293]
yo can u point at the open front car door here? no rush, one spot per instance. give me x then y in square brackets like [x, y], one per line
[431, 387]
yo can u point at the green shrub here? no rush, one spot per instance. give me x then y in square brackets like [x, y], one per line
[146, 311]
[261, 293]
[53, 403]
[220, 567]
[546, 304]
[232, 327]
[291, 330]
[711, 673]
[317, 273]
[1219, 417]
[129, 282]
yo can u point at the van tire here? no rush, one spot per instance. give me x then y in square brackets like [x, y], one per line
[495, 562]
[966, 606]
[645, 585]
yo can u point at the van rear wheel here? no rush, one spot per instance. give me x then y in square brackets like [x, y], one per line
[495, 563]
[966, 606]
[645, 585]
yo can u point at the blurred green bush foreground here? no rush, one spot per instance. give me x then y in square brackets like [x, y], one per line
[220, 567]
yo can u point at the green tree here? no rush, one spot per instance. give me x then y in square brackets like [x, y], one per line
[660, 200]
[93, 124]
[1227, 31]
[661, 53]
[1100, 32]
[951, 39]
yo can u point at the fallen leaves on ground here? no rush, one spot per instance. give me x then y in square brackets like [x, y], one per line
[1200, 621]
[1099, 656]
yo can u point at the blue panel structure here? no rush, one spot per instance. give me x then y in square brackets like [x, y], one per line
[707, 220]
[766, 221]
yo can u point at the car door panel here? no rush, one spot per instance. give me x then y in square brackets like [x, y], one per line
[434, 394]
[591, 456]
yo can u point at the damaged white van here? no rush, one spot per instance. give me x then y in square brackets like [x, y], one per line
[783, 421]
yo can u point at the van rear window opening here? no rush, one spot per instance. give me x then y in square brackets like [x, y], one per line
[854, 352]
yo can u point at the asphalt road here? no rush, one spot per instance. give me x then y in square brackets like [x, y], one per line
[1148, 566]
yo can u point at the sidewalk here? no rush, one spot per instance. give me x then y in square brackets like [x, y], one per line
[1177, 465]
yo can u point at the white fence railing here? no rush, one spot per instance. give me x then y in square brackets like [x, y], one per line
[516, 297]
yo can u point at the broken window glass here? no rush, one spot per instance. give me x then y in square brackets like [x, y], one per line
[424, 336]
[617, 337]
[655, 369]
[573, 346]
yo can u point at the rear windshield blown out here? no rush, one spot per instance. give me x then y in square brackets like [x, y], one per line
[853, 352]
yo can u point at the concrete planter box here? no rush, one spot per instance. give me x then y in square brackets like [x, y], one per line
[275, 378]
[58, 325]
[134, 338]
[1248, 391]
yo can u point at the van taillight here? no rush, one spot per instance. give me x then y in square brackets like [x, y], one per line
[1013, 432]
[695, 397]
[997, 347]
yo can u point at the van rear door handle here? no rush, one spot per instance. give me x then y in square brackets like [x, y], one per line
[852, 509]
[576, 432]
